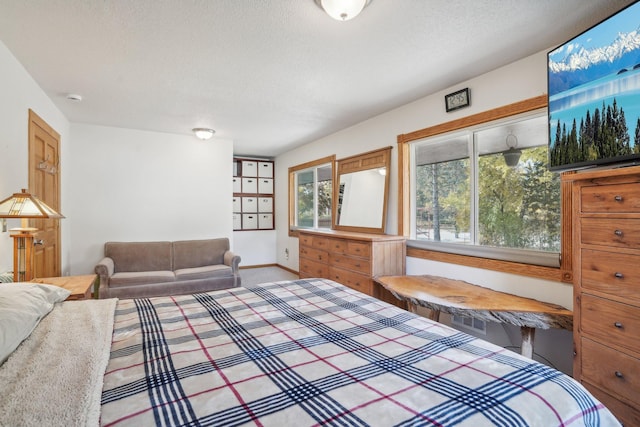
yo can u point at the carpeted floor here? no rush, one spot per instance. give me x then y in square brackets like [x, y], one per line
[254, 276]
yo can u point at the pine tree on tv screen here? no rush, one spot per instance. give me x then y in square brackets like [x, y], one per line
[594, 94]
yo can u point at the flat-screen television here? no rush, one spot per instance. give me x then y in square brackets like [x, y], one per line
[594, 95]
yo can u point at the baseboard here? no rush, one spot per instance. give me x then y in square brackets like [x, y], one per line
[243, 267]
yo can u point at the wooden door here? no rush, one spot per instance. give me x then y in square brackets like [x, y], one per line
[44, 182]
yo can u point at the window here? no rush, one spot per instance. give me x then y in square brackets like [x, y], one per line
[486, 191]
[311, 194]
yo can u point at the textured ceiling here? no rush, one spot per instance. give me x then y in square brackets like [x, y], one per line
[270, 75]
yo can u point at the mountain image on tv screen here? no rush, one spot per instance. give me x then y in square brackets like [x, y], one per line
[594, 94]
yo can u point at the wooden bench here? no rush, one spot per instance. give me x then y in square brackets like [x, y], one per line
[460, 298]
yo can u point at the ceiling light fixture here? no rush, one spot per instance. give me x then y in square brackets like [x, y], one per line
[74, 97]
[203, 133]
[342, 10]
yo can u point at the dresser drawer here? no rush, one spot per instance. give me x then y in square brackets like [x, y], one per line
[337, 246]
[305, 239]
[359, 249]
[615, 372]
[353, 280]
[310, 268]
[623, 233]
[322, 243]
[359, 265]
[610, 322]
[314, 254]
[626, 414]
[612, 273]
[616, 198]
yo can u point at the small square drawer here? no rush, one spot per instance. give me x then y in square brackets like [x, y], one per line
[237, 221]
[249, 204]
[249, 168]
[249, 221]
[265, 169]
[237, 205]
[265, 185]
[249, 185]
[237, 185]
[265, 204]
[265, 221]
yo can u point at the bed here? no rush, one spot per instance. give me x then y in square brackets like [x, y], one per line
[303, 352]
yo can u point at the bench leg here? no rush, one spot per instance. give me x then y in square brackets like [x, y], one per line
[528, 334]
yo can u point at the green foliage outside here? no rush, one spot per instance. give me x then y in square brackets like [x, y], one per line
[517, 207]
[306, 189]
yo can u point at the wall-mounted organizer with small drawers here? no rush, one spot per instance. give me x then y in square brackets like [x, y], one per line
[252, 194]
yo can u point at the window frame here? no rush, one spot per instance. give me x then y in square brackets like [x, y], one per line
[293, 170]
[561, 273]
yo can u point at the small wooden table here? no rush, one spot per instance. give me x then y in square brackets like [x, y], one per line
[80, 286]
[464, 299]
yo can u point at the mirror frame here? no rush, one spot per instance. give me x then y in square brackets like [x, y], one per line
[375, 159]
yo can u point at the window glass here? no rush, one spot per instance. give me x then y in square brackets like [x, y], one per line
[305, 192]
[313, 196]
[442, 191]
[488, 187]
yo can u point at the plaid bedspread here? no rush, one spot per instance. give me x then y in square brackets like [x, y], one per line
[313, 352]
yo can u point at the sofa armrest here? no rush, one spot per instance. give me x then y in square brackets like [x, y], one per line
[104, 269]
[232, 260]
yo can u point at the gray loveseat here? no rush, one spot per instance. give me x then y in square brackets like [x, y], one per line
[148, 269]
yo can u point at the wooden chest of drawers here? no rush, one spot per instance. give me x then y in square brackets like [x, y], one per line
[606, 272]
[353, 259]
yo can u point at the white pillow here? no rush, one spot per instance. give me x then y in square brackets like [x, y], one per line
[22, 306]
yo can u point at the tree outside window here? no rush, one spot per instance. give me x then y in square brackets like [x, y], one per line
[313, 197]
[466, 193]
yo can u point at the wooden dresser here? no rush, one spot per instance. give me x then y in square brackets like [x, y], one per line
[353, 259]
[606, 273]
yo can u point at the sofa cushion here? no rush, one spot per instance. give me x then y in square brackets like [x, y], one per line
[204, 272]
[199, 253]
[139, 256]
[129, 278]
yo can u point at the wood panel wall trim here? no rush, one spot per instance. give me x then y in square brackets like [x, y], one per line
[520, 107]
[535, 271]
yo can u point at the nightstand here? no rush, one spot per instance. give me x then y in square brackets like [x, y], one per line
[80, 286]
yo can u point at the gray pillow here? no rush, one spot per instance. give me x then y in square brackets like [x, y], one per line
[22, 306]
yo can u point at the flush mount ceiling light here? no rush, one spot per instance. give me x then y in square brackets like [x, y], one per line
[74, 97]
[203, 133]
[342, 10]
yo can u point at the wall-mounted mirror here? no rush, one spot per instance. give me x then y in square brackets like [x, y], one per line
[360, 198]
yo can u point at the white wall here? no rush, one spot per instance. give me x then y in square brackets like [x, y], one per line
[518, 81]
[255, 247]
[19, 94]
[133, 185]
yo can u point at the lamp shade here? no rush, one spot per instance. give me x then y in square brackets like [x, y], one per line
[343, 10]
[25, 205]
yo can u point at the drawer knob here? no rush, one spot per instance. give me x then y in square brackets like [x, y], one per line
[618, 325]
[618, 233]
[618, 275]
[618, 198]
[619, 374]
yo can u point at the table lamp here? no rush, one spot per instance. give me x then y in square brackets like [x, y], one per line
[24, 206]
